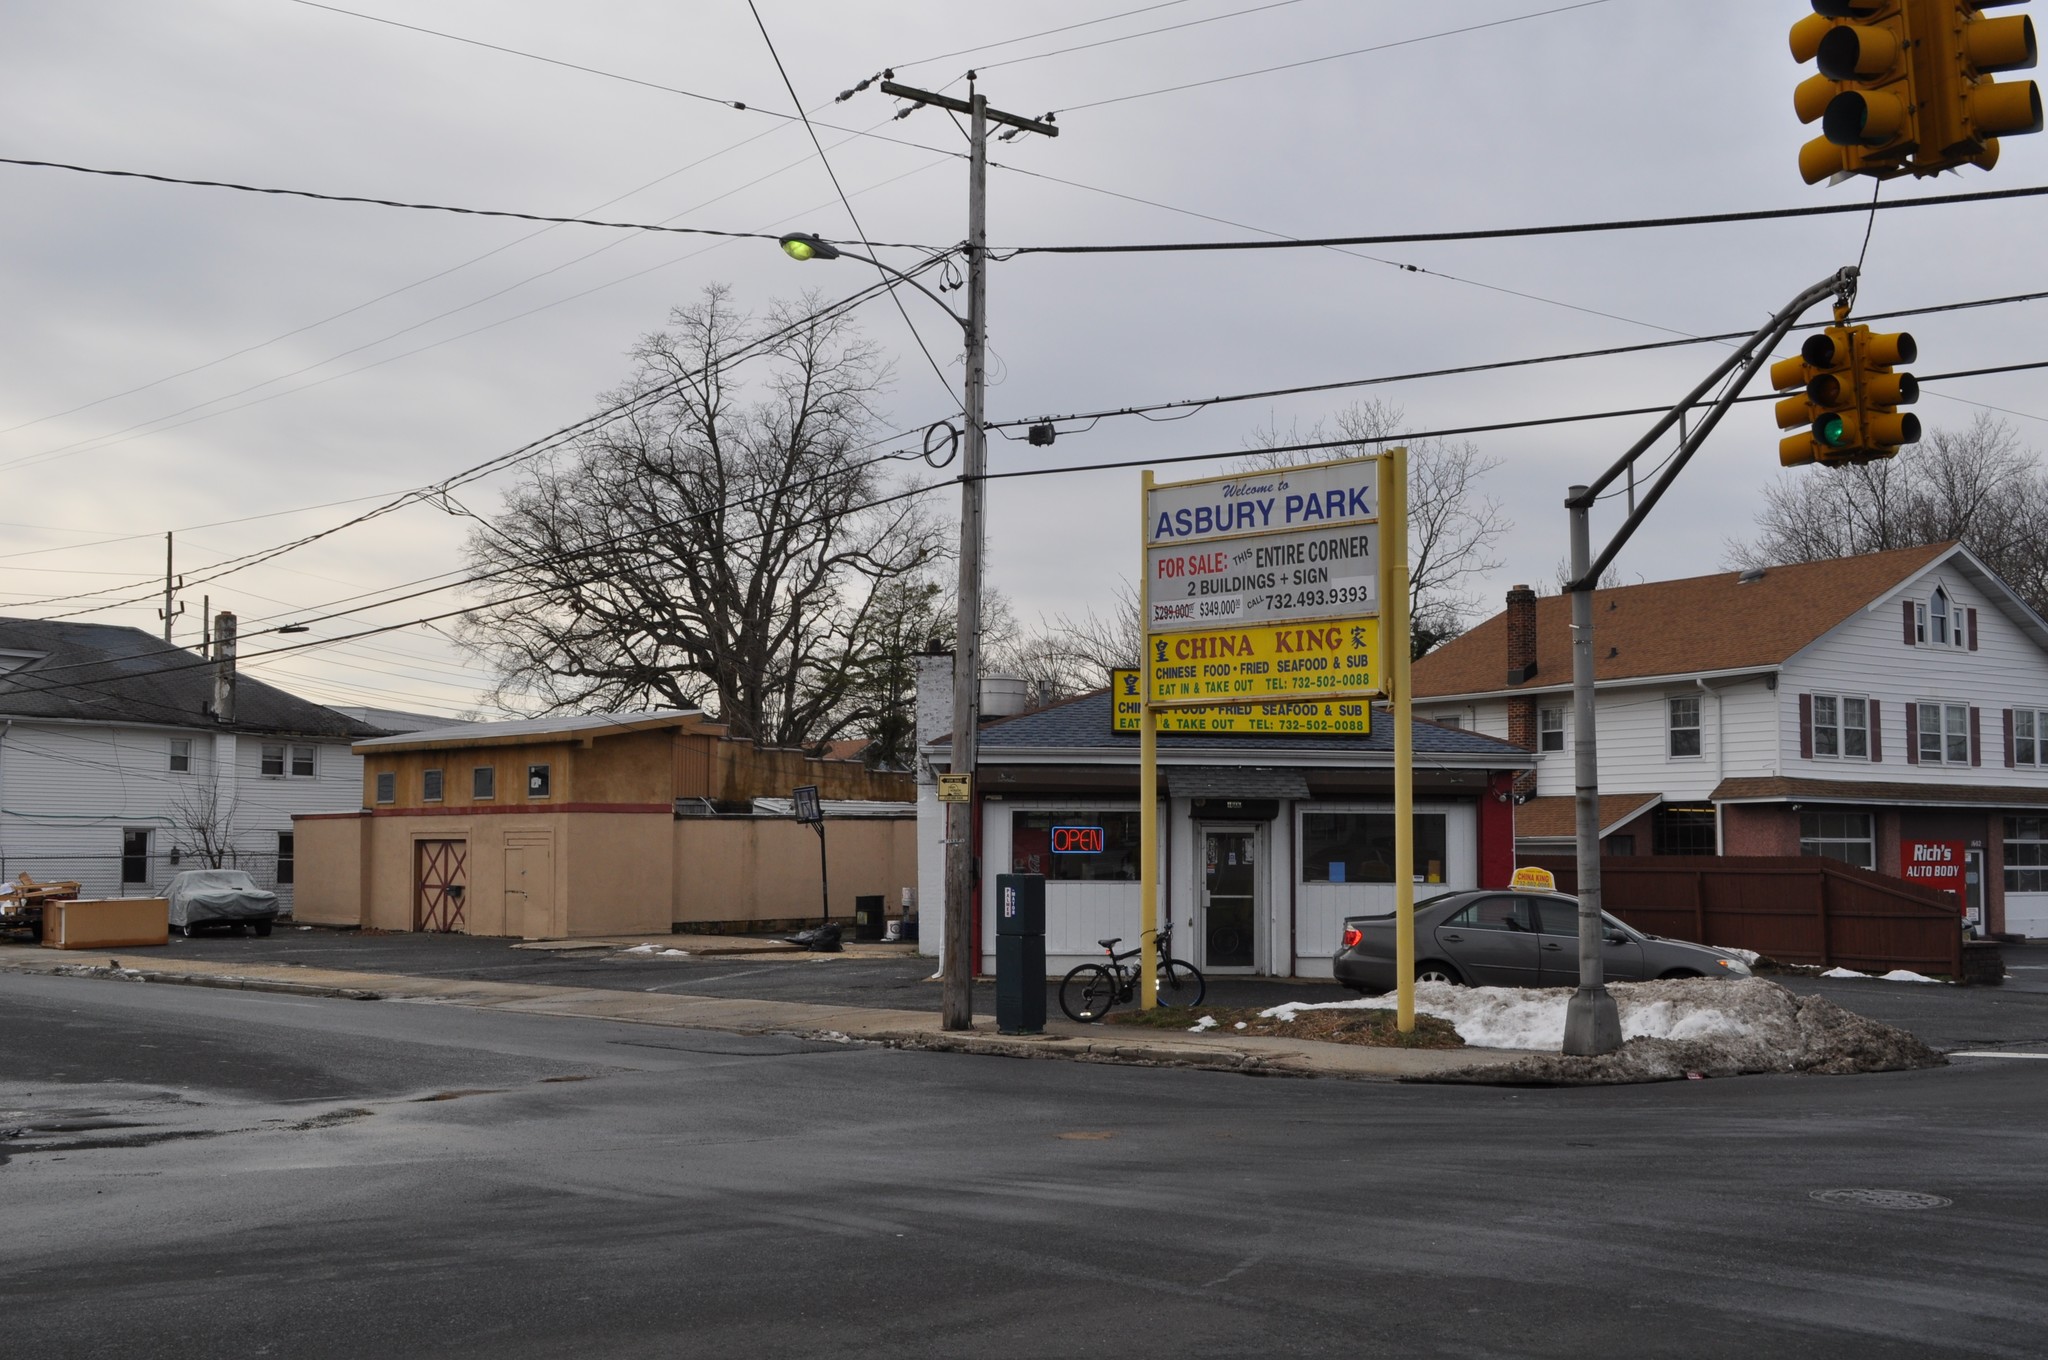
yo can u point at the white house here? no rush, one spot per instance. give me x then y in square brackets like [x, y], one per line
[117, 769]
[1889, 711]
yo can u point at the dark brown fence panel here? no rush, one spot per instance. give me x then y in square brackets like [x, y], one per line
[1797, 909]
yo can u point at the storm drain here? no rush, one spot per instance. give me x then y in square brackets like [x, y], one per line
[1882, 1199]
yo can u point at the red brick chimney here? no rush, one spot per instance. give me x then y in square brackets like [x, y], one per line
[1521, 668]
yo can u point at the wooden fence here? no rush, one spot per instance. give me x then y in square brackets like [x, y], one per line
[1796, 909]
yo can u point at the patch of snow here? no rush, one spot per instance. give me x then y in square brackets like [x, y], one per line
[937, 977]
[1906, 975]
[675, 953]
[1844, 972]
[1240, 1025]
[1748, 956]
[1206, 1022]
[642, 949]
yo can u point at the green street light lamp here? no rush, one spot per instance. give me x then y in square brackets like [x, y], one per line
[801, 245]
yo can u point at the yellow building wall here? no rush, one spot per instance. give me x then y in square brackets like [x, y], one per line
[734, 870]
[327, 877]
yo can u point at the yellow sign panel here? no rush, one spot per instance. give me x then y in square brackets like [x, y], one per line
[956, 788]
[1302, 717]
[1330, 657]
[1532, 879]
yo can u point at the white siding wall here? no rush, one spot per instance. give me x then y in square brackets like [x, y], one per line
[1320, 908]
[1076, 914]
[1868, 656]
[1737, 737]
[68, 792]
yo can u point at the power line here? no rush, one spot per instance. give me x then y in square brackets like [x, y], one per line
[1041, 33]
[853, 217]
[1555, 229]
[1333, 56]
[1196, 403]
[1127, 37]
[420, 207]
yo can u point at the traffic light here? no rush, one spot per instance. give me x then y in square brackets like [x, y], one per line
[1848, 397]
[1864, 94]
[1825, 403]
[1880, 429]
[1965, 111]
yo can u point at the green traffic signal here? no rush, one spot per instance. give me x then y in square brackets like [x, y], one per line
[1832, 431]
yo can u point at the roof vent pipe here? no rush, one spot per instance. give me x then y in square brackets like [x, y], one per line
[1004, 696]
[224, 667]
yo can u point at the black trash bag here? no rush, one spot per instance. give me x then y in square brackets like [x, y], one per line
[802, 936]
[824, 940]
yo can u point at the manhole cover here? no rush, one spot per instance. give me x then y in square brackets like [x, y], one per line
[1882, 1199]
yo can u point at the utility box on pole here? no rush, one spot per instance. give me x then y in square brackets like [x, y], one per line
[1020, 953]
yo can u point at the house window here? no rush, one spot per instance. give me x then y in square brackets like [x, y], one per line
[387, 787]
[1066, 846]
[2029, 737]
[1937, 618]
[1944, 734]
[430, 786]
[302, 762]
[1621, 845]
[1550, 729]
[1919, 621]
[1683, 715]
[1358, 847]
[2026, 854]
[536, 781]
[1683, 830]
[273, 762]
[285, 850]
[483, 782]
[1450, 720]
[134, 857]
[181, 755]
[1841, 727]
[1838, 835]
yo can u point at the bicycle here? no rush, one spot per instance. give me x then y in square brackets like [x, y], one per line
[1088, 992]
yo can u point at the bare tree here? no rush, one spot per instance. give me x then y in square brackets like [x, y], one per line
[203, 822]
[1452, 528]
[1980, 486]
[718, 544]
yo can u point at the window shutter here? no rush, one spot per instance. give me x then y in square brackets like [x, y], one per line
[1912, 733]
[1876, 736]
[1973, 630]
[1806, 727]
[1976, 745]
[2008, 739]
[1909, 621]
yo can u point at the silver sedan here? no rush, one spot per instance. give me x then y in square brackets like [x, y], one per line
[1514, 939]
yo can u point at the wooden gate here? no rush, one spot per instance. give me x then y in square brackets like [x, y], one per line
[440, 882]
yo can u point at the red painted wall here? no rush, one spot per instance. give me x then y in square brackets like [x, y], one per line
[1497, 832]
[1759, 829]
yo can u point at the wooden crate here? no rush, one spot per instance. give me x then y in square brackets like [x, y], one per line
[109, 923]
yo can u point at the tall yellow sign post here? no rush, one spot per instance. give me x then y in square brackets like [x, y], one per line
[1274, 602]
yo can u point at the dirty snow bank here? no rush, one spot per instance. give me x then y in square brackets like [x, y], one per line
[1671, 1029]
[1895, 975]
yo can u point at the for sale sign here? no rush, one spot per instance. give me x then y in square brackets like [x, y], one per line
[1935, 864]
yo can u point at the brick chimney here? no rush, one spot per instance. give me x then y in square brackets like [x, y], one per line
[1521, 668]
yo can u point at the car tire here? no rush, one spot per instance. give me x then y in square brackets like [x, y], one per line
[1438, 971]
[262, 928]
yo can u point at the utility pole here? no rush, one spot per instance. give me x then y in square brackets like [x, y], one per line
[956, 959]
[170, 585]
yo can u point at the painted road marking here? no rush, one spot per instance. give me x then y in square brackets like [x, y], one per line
[1998, 1055]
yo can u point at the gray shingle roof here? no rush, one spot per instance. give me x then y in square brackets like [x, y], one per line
[1083, 725]
[96, 672]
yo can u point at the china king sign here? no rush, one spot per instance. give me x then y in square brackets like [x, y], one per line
[1934, 864]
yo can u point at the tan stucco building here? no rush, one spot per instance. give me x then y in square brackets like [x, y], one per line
[613, 824]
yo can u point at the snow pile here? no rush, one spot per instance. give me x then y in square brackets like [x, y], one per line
[1715, 1027]
[1206, 1022]
[656, 951]
[1895, 975]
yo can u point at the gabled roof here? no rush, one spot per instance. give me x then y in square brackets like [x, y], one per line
[527, 731]
[96, 672]
[1702, 624]
[1080, 728]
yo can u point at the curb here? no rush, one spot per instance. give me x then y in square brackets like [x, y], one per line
[221, 980]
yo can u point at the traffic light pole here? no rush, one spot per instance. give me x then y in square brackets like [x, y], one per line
[1592, 1023]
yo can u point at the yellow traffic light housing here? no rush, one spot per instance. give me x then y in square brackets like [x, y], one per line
[1880, 428]
[1965, 110]
[1824, 403]
[1864, 93]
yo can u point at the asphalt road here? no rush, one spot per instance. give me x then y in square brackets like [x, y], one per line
[1946, 1017]
[207, 1173]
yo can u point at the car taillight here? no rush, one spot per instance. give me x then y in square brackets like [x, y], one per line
[1353, 937]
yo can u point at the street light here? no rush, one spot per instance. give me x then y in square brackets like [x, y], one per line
[956, 1004]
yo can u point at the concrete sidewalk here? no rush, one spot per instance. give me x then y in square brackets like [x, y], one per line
[1256, 1055]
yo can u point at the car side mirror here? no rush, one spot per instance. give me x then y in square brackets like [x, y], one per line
[1615, 937]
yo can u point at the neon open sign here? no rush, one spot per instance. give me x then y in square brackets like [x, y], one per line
[1077, 840]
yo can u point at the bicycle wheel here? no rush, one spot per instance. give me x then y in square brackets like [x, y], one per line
[1087, 993]
[1181, 984]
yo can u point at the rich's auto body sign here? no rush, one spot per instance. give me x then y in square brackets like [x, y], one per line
[1267, 578]
[1935, 864]
[1239, 665]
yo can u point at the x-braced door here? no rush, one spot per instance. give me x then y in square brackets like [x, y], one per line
[441, 881]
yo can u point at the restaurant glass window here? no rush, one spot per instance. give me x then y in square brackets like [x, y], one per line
[1358, 847]
[1838, 835]
[2026, 854]
[1681, 830]
[1075, 847]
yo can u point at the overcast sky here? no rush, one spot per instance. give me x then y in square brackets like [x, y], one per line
[177, 357]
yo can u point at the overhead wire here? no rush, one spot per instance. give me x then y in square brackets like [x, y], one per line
[1041, 33]
[1127, 37]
